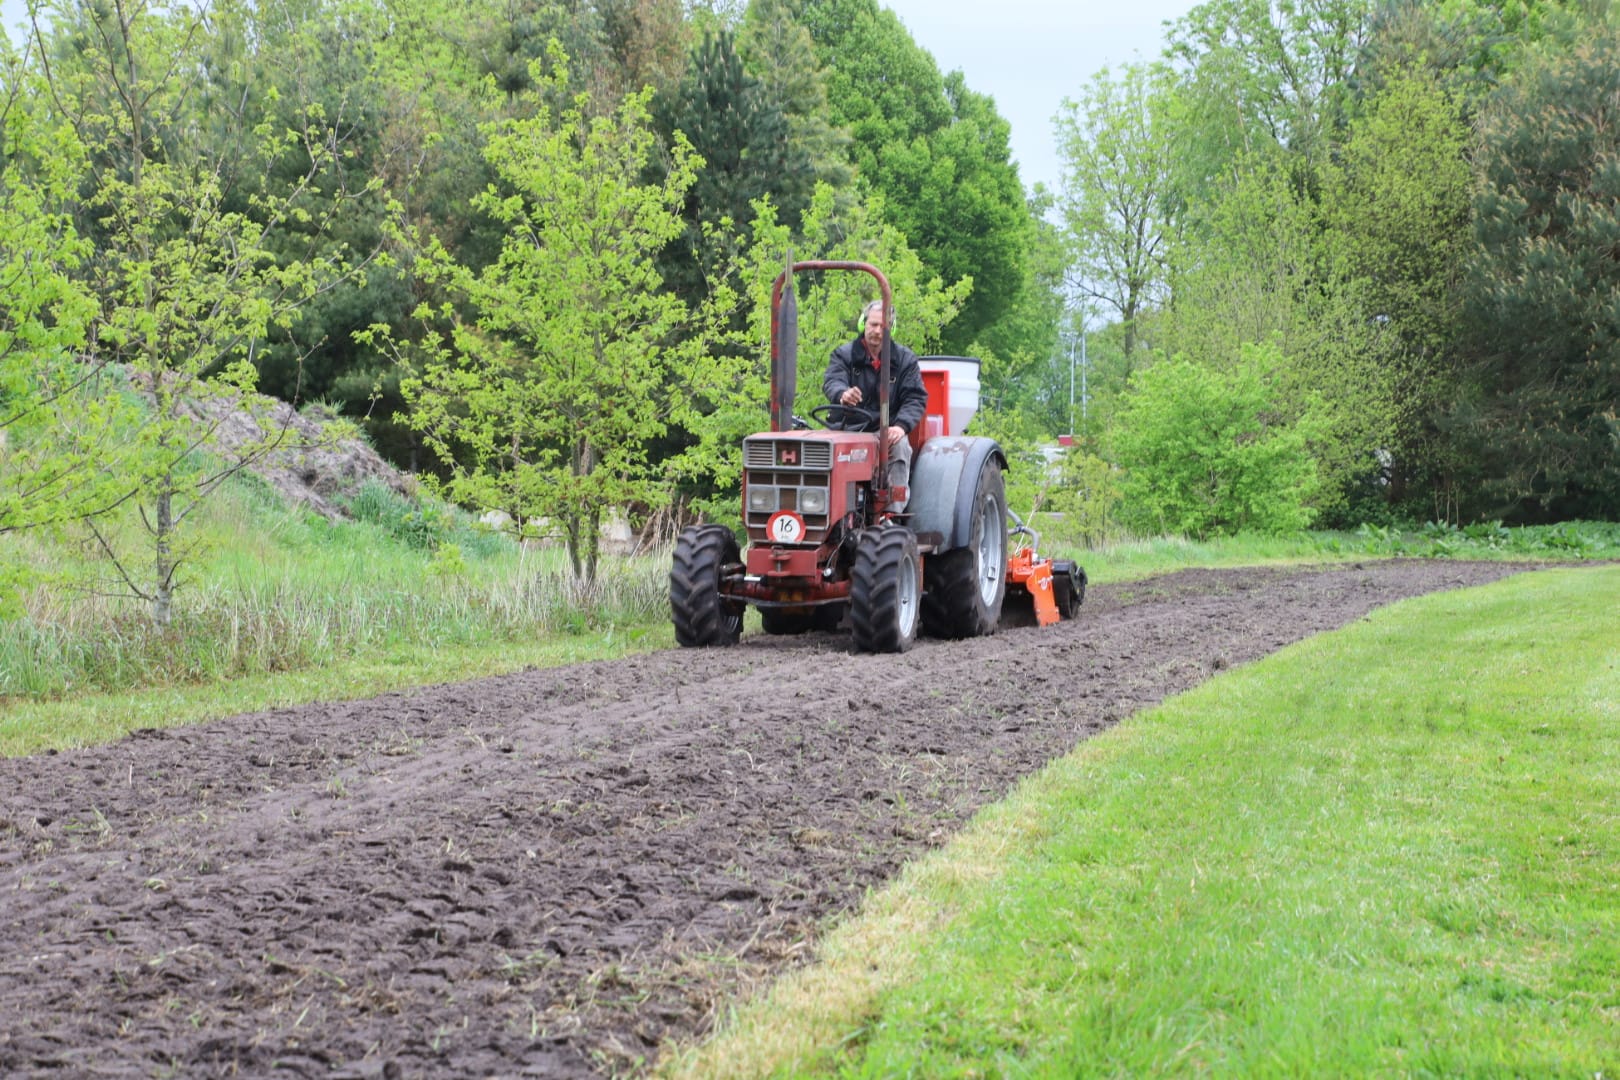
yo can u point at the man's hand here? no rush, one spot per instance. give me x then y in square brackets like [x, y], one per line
[852, 396]
[893, 435]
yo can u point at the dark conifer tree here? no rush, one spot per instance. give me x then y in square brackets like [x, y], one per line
[744, 141]
[1543, 293]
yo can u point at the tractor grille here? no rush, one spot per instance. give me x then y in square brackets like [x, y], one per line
[786, 474]
[779, 453]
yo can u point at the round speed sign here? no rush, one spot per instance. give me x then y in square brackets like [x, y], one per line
[785, 527]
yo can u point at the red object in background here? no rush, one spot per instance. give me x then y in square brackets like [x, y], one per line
[937, 418]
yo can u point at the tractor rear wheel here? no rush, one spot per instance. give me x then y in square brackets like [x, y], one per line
[702, 616]
[884, 590]
[965, 586]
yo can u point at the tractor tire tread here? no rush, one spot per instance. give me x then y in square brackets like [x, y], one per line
[877, 591]
[701, 615]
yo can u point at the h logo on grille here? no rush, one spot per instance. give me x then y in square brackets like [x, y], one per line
[788, 455]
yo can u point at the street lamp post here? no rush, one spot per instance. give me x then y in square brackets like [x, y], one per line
[1071, 387]
[1085, 398]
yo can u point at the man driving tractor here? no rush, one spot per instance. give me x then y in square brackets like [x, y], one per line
[852, 380]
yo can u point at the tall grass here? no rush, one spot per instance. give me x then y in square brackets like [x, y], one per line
[275, 588]
[283, 590]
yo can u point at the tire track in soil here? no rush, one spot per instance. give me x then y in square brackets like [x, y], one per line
[552, 872]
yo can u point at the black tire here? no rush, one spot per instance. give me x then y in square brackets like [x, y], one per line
[1068, 587]
[965, 587]
[702, 616]
[884, 590]
[801, 620]
[830, 617]
[785, 620]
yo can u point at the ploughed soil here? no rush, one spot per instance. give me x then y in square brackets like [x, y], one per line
[551, 873]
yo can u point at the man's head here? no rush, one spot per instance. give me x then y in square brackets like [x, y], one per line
[872, 325]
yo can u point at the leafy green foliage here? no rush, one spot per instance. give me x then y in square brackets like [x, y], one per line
[777, 50]
[1258, 267]
[1024, 360]
[187, 275]
[1467, 46]
[328, 66]
[45, 312]
[541, 403]
[1394, 217]
[1265, 74]
[425, 524]
[1118, 202]
[1203, 454]
[741, 137]
[935, 150]
[1087, 495]
[1483, 539]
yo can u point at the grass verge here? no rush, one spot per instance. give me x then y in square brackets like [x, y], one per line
[1389, 850]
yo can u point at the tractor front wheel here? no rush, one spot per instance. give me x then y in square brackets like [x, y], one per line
[702, 616]
[884, 590]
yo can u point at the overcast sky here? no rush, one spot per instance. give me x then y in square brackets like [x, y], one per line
[1031, 54]
[1027, 54]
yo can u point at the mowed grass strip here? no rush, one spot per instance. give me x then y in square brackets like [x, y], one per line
[1392, 850]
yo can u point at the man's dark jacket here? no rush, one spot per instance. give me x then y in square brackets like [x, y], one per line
[851, 366]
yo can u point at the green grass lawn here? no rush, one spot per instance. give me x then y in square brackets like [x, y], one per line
[1392, 850]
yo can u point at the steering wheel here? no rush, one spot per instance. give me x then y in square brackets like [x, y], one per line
[823, 415]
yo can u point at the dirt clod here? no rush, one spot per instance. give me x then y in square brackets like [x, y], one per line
[552, 872]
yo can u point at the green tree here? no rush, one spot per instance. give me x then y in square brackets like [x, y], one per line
[46, 382]
[188, 282]
[542, 400]
[1262, 74]
[322, 58]
[1394, 210]
[647, 38]
[1543, 289]
[1258, 268]
[935, 150]
[747, 156]
[777, 50]
[981, 227]
[1025, 354]
[1467, 47]
[1202, 455]
[1118, 198]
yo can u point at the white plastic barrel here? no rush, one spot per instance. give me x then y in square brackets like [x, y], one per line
[962, 380]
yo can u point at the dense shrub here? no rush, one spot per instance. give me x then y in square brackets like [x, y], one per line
[1205, 451]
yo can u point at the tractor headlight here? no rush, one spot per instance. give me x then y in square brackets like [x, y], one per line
[762, 499]
[813, 500]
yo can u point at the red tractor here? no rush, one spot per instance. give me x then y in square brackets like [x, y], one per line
[824, 545]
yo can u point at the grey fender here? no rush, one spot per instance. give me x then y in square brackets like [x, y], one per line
[943, 476]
